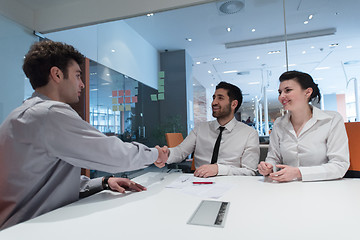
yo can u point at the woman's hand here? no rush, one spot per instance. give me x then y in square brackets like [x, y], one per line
[265, 168]
[286, 174]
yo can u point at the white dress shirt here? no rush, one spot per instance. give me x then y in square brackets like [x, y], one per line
[43, 146]
[320, 151]
[238, 153]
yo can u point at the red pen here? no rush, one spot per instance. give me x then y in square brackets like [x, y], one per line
[203, 182]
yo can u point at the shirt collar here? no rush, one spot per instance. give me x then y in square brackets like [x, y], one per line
[229, 126]
[317, 115]
[39, 95]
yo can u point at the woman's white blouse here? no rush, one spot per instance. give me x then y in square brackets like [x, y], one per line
[320, 151]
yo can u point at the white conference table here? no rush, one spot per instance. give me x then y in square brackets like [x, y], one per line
[258, 210]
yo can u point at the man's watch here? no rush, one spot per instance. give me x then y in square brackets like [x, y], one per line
[105, 182]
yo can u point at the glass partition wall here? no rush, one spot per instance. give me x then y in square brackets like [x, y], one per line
[249, 46]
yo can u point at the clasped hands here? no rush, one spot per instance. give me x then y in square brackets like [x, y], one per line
[208, 170]
[162, 157]
[286, 174]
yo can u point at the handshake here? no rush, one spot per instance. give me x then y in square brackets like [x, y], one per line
[162, 157]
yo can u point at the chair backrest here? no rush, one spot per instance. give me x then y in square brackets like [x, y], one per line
[353, 132]
[173, 139]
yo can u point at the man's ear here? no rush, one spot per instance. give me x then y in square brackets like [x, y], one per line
[55, 74]
[234, 104]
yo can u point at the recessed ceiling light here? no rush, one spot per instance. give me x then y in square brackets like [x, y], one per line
[253, 30]
[198, 62]
[348, 46]
[209, 71]
[312, 47]
[257, 57]
[212, 85]
[310, 16]
[306, 22]
[303, 52]
[112, 50]
[216, 59]
[188, 39]
[149, 14]
[105, 84]
[290, 65]
[108, 74]
[194, 84]
[322, 68]
[253, 83]
[273, 52]
[231, 71]
[228, 29]
[94, 89]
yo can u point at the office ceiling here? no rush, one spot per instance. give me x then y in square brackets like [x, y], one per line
[253, 68]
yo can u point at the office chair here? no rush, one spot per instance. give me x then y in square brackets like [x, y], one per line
[174, 139]
[353, 132]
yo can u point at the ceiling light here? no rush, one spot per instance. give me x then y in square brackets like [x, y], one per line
[216, 59]
[112, 50]
[194, 84]
[149, 14]
[303, 52]
[310, 16]
[312, 47]
[348, 46]
[212, 85]
[94, 89]
[230, 7]
[231, 71]
[253, 30]
[198, 62]
[108, 74]
[209, 71]
[188, 39]
[228, 29]
[281, 38]
[322, 68]
[257, 57]
[253, 83]
[105, 84]
[273, 52]
[306, 22]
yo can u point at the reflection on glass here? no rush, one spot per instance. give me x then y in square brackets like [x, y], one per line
[115, 108]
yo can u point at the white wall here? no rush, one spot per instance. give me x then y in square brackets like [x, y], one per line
[15, 41]
[133, 56]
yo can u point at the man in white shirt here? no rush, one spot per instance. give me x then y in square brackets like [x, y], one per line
[44, 143]
[239, 150]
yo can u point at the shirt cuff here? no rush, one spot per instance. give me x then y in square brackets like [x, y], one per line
[155, 154]
[223, 170]
[171, 158]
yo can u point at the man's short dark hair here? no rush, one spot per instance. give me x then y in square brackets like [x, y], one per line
[233, 91]
[44, 55]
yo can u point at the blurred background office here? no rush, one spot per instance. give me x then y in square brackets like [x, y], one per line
[153, 65]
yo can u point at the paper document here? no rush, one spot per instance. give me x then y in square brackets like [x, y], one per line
[185, 183]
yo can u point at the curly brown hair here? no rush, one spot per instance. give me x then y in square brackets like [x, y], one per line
[44, 55]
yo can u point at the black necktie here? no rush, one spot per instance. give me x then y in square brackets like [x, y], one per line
[216, 147]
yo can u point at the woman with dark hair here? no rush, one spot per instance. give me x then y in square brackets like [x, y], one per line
[306, 143]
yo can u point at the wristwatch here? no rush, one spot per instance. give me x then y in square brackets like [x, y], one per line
[105, 182]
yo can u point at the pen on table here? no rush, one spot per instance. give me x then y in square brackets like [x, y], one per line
[203, 182]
